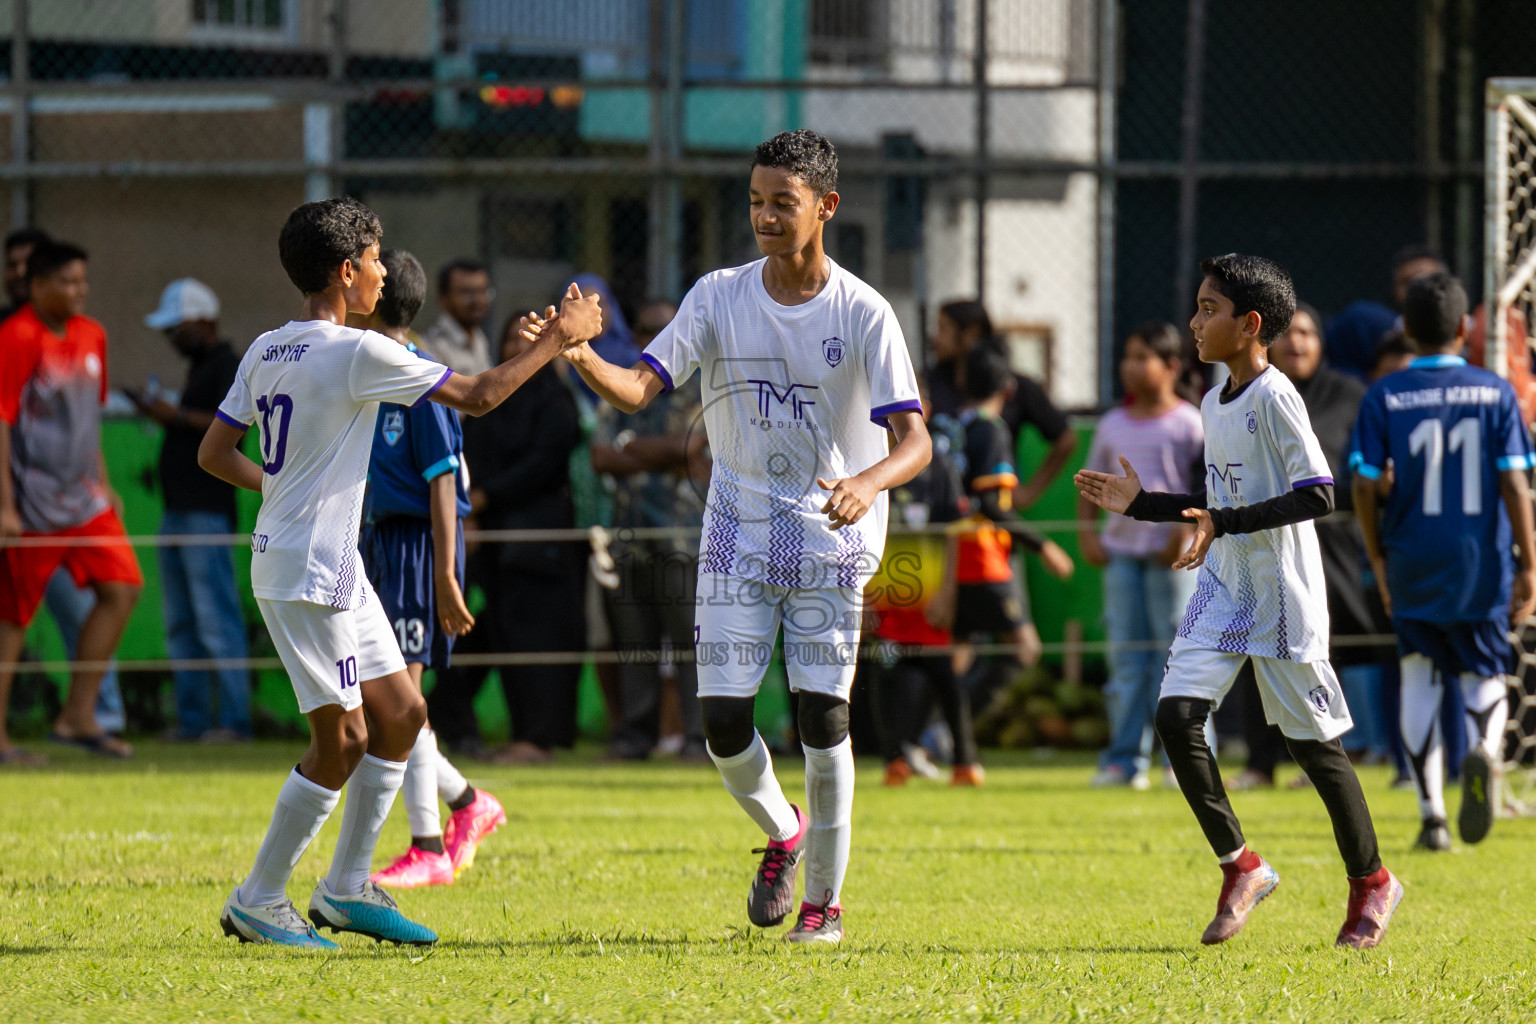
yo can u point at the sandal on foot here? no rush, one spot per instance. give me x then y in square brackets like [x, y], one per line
[101, 744]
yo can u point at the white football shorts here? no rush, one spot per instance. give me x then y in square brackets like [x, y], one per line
[738, 620]
[1303, 698]
[328, 651]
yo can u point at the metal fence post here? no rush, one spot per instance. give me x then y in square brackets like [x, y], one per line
[21, 116]
[1189, 156]
[666, 145]
[1495, 228]
[983, 133]
[1107, 58]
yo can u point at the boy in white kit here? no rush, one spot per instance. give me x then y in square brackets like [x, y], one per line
[805, 371]
[313, 386]
[1259, 598]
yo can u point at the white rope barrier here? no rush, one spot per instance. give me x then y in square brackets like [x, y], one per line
[870, 649]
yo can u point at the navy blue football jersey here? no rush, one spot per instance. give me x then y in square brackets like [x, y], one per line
[1449, 429]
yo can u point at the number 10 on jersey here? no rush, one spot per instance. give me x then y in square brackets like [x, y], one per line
[274, 440]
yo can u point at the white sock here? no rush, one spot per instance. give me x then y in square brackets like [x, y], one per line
[1421, 733]
[370, 794]
[420, 787]
[829, 803]
[1487, 703]
[1229, 858]
[748, 776]
[450, 783]
[302, 807]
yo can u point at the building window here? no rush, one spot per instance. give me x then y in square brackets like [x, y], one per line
[271, 15]
[848, 32]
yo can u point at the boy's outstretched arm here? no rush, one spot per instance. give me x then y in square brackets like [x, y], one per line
[220, 455]
[626, 389]
[852, 496]
[578, 320]
[1516, 492]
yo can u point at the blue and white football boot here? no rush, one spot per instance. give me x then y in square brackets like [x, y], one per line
[372, 912]
[278, 924]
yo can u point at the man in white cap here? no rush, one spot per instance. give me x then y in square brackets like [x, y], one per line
[202, 609]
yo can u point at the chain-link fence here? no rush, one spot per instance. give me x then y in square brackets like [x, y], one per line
[1068, 160]
[548, 137]
[1065, 160]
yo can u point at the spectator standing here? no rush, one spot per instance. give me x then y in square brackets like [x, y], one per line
[519, 454]
[1160, 433]
[906, 681]
[1359, 327]
[458, 339]
[53, 381]
[68, 603]
[963, 325]
[659, 463]
[201, 605]
[1333, 399]
[981, 597]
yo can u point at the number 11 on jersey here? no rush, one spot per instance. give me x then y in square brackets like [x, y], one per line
[1467, 437]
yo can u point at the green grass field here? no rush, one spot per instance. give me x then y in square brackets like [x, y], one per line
[618, 892]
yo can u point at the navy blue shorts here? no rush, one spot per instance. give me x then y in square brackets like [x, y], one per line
[397, 555]
[1481, 648]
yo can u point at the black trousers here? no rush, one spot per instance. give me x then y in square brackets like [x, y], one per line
[654, 602]
[526, 612]
[904, 692]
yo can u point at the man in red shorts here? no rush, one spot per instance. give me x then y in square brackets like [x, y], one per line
[53, 381]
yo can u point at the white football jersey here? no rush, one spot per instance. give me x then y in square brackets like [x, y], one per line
[1261, 594]
[313, 390]
[790, 393]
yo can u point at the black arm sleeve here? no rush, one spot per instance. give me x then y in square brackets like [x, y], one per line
[1158, 507]
[1296, 506]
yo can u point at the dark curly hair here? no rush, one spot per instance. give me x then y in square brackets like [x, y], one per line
[809, 156]
[1255, 285]
[320, 236]
[405, 288]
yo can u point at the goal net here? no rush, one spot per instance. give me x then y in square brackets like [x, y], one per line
[1509, 297]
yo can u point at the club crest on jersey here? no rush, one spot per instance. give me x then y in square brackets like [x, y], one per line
[394, 425]
[1253, 422]
[832, 348]
[1320, 697]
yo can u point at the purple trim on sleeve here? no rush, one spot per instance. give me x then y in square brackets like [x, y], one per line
[655, 364]
[878, 415]
[1310, 481]
[432, 390]
[220, 413]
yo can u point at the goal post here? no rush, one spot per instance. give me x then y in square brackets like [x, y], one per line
[1509, 302]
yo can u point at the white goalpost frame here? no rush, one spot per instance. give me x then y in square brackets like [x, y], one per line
[1509, 192]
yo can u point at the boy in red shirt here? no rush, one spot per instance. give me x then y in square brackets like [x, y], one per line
[53, 382]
